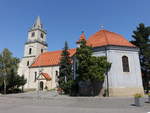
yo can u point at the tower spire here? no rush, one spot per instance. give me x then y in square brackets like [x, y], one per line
[37, 23]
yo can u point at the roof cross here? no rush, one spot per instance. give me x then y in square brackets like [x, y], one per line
[102, 26]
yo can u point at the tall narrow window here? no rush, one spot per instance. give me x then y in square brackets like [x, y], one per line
[42, 36]
[57, 78]
[41, 50]
[30, 51]
[125, 64]
[35, 76]
[56, 73]
[33, 34]
[27, 63]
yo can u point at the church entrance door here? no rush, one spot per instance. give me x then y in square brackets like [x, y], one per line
[41, 85]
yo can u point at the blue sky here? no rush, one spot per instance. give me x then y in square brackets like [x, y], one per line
[65, 19]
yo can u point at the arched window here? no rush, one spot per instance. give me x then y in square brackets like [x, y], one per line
[125, 64]
[42, 36]
[30, 51]
[27, 63]
[33, 34]
[41, 85]
[35, 76]
[41, 50]
[57, 77]
[56, 73]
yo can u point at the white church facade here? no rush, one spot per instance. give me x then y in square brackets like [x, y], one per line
[41, 68]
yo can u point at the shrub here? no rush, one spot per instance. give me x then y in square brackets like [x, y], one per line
[137, 95]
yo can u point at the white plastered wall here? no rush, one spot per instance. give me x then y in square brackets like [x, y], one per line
[51, 70]
[123, 83]
[118, 78]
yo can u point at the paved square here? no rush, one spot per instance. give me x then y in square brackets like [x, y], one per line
[51, 103]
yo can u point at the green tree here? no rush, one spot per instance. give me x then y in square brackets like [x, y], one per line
[8, 71]
[84, 55]
[142, 41]
[90, 68]
[65, 75]
[98, 68]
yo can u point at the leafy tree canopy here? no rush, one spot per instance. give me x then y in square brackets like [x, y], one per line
[8, 71]
[90, 68]
[141, 38]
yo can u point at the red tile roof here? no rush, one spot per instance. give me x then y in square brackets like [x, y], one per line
[46, 76]
[50, 58]
[104, 37]
[100, 38]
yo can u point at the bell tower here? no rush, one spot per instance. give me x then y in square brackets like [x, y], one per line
[34, 46]
[36, 42]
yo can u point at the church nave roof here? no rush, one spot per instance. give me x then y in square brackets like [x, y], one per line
[50, 58]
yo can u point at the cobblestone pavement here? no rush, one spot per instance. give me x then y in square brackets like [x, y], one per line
[51, 102]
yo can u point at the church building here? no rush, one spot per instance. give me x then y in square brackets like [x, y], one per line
[41, 67]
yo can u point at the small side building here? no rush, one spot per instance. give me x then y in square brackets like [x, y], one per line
[124, 77]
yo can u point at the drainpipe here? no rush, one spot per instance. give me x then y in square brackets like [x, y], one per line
[107, 79]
